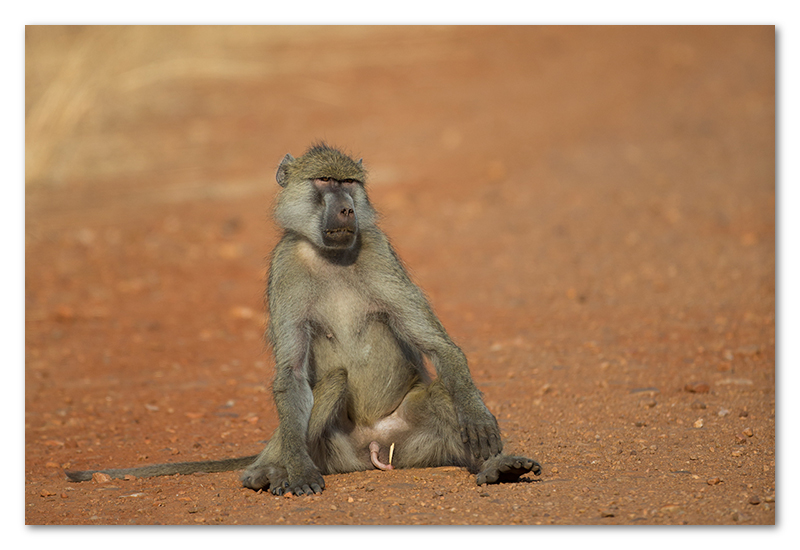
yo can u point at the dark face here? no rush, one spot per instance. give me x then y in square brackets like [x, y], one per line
[339, 220]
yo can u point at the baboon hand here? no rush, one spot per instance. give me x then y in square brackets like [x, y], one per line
[479, 429]
[307, 481]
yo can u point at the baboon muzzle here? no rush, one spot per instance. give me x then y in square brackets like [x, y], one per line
[340, 225]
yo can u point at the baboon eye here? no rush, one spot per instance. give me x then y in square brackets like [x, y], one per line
[326, 179]
[348, 180]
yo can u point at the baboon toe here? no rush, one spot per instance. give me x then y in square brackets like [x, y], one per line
[312, 489]
[255, 479]
[310, 483]
[504, 468]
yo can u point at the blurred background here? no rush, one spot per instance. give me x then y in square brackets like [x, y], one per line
[595, 144]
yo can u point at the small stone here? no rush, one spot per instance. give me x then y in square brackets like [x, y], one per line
[754, 500]
[714, 481]
[649, 403]
[748, 432]
[608, 513]
[100, 477]
[697, 404]
[697, 387]
[698, 423]
[741, 439]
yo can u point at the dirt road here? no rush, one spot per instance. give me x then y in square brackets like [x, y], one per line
[590, 210]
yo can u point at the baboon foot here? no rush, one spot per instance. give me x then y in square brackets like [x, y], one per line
[504, 468]
[256, 477]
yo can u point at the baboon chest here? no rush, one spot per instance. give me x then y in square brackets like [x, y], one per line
[349, 334]
[341, 314]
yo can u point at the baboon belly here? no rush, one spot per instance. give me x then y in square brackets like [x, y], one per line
[380, 369]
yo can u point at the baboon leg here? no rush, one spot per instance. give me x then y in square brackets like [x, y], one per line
[330, 394]
[436, 441]
[330, 397]
[434, 438]
[330, 446]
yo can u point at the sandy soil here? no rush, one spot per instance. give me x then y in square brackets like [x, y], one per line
[590, 210]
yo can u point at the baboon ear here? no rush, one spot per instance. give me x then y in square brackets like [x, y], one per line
[359, 163]
[281, 175]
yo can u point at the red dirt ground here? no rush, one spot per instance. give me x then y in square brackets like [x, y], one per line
[590, 210]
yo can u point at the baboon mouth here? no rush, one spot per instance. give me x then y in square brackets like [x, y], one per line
[339, 237]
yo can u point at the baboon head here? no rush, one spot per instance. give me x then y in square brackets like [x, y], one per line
[323, 197]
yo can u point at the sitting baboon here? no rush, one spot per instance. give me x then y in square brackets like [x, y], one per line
[349, 331]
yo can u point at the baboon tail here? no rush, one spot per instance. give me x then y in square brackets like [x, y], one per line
[208, 466]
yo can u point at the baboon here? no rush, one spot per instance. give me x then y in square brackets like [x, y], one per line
[350, 332]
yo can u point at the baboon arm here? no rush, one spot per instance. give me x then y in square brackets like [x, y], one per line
[292, 392]
[414, 321]
[294, 401]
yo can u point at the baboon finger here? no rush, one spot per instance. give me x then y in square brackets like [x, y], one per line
[474, 442]
[484, 444]
[487, 477]
[495, 444]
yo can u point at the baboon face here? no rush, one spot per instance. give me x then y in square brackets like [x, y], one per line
[323, 197]
[339, 219]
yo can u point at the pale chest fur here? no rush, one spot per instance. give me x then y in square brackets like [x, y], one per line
[343, 300]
